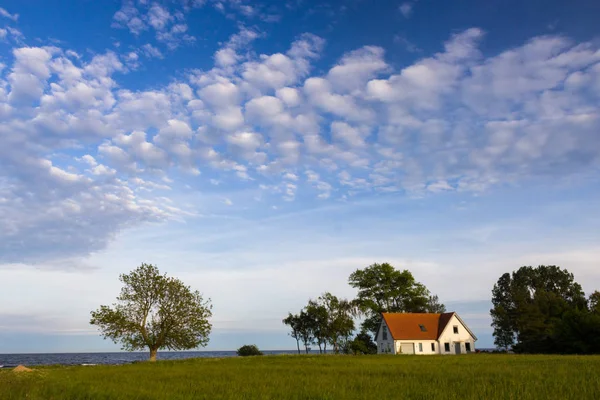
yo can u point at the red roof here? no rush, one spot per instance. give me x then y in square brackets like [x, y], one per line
[416, 326]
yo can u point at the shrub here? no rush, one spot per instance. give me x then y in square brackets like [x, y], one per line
[249, 350]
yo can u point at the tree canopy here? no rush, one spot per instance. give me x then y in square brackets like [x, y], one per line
[326, 320]
[155, 311]
[382, 288]
[543, 310]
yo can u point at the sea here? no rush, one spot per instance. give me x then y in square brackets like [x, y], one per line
[28, 359]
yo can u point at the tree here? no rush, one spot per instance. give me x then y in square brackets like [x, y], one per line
[531, 307]
[249, 350]
[434, 305]
[382, 288]
[362, 344]
[155, 311]
[305, 329]
[594, 302]
[340, 322]
[317, 318]
[296, 325]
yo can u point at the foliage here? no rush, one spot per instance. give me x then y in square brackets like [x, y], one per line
[295, 324]
[434, 305]
[543, 310]
[382, 288]
[155, 311]
[317, 320]
[481, 376]
[594, 302]
[326, 320]
[339, 324]
[362, 344]
[249, 350]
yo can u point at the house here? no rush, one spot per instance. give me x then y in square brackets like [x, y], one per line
[421, 333]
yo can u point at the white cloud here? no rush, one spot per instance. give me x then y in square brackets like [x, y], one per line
[151, 51]
[406, 9]
[159, 17]
[8, 15]
[356, 68]
[453, 121]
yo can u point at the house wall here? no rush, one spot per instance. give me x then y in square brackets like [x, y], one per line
[448, 336]
[384, 346]
[426, 346]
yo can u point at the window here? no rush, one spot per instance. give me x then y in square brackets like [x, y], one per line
[423, 329]
[432, 346]
[447, 347]
[421, 347]
[384, 333]
[455, 328]
[468, 347]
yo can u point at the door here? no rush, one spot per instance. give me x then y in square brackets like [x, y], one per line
[407, 348]
[457, 348]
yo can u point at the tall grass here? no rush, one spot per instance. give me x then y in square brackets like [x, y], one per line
[318, 377]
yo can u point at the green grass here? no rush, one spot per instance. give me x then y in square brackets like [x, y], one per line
[475, 376]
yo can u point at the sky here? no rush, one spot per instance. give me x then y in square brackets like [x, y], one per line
[261, 151]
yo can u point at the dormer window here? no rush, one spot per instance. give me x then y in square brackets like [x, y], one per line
[423, 329]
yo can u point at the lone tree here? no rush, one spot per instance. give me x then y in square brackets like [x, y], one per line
[155, 311]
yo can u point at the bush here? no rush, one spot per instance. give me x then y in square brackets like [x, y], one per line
[249, 350]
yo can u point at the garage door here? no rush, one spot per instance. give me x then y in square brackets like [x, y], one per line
[407, 348]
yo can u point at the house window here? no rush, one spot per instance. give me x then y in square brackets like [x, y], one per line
[447, 347]
[421, 347]
[384, 333]
[423, 329]
[455, 328]
[432, 346]
[468, 347]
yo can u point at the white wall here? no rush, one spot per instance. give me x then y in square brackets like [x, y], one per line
[448, 336]
[426, 344]
[384, 346]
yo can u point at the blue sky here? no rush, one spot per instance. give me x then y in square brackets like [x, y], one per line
[262, 151]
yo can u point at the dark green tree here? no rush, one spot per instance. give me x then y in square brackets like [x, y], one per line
[382, 288]
[249, 350]
[434, 305]
[155, 311]
[530, 305]
[305, 329]
[295, 324]
[594, 302]
[362, 344]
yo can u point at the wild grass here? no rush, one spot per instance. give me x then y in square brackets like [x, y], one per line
[473, 376]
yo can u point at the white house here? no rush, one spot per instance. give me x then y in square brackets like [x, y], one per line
[420, 333]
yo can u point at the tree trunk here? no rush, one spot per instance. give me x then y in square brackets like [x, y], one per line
[320, 349]
[153, 354]
[298, 344]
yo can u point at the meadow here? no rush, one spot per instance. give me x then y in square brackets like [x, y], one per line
[475, 376]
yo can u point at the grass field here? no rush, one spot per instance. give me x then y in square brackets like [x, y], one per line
[474, 376]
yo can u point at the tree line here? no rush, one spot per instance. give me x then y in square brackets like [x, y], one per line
[329, 320]
[535, 310]
[544, 310]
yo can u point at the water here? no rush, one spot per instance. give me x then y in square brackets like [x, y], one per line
[12, 360]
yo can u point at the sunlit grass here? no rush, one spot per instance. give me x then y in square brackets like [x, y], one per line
[473, 376]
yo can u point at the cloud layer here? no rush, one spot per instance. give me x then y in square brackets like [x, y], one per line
[82, 158]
